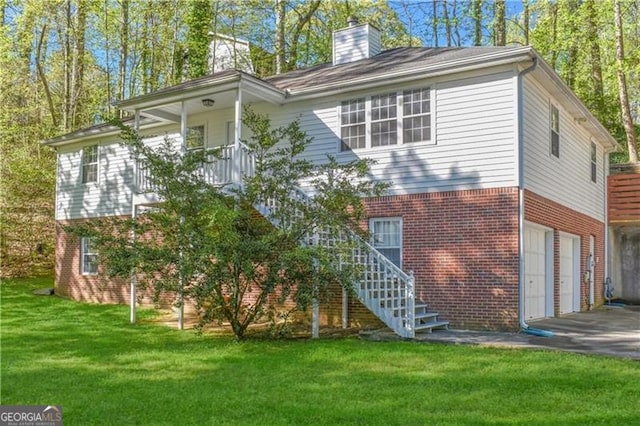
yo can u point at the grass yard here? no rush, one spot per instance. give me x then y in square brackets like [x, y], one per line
[102, 370]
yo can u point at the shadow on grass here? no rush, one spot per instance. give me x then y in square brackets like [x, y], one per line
[103, 370]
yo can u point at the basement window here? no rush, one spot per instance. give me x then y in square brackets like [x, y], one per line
[386, 234]
[88, 257]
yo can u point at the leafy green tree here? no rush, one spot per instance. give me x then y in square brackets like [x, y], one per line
[210, 245]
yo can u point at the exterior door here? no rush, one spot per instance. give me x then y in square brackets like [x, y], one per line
[566, 275]
[534, 273]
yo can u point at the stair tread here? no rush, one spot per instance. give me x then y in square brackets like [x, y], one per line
[432, 325]
[426, 315]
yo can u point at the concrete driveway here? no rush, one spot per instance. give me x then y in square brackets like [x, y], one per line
[613, 331]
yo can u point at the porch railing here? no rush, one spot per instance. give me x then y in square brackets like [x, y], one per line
[223, 166]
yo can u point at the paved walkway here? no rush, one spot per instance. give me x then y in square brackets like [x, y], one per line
[613, 331]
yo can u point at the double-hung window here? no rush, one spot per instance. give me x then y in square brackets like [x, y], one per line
[88, 257]
[555, 131]
[416, 110]
[352, 122]
[90, 164]
[594, 162]
[394, 118]
[386, 234]
[384, 122]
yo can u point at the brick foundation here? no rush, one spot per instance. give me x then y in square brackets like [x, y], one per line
[552, 215]
[463, 249]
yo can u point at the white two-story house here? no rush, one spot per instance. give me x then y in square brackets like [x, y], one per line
[498, 173]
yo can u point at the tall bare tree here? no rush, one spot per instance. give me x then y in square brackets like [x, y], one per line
[500, 28]
[627, 119]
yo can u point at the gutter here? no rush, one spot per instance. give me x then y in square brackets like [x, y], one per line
[413, 73]
[525, 328]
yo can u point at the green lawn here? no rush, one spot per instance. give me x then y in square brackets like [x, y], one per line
[102, 370]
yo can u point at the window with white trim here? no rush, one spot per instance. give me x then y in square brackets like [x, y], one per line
[352, 124]
[88, 257]
[416, 111]
[195, 137]
[386, 234]
[394, 118]
[90, 155]
[594, 162]
[555, 132]
[384, 122]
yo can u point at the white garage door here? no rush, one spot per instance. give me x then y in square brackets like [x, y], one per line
[566, 275]
[534, 273]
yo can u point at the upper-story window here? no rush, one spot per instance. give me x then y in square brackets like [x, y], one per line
[352, 122]
[90, 164]
[594, 162]
[195, 137]
[555, 131]
[389, 119]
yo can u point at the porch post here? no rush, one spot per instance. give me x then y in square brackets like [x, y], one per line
[183, 149]
[345, 308]
[237, 161]
[134, 279]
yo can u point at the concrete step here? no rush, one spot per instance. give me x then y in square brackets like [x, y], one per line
[430, 326]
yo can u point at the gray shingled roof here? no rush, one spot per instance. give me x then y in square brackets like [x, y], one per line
[398, 59]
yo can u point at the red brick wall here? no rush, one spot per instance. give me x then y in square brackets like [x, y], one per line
[69, 281]
[562, 219]
[463, 249]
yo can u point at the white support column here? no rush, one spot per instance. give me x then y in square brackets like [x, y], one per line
[183, 127]
[345, 308]
[183, 149]
[237, 165]
[134, 279]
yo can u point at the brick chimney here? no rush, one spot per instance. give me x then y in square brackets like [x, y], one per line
[357, 41]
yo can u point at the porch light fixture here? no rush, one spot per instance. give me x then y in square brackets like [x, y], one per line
[208, 102]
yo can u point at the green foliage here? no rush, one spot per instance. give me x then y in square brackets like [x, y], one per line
[210, 245]
[198, 21]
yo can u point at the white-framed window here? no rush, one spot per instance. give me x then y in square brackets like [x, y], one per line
[386, 235]
[394, 118]
[352, 124]
[416, 110]
[88, 257]
[195, 137]
[384, 121]
[90, 156]
[555, 131]
[594, 162]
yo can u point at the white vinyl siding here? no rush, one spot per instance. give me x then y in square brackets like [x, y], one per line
[386, 235]
[565, 180]
[473, 123]
[88, 257]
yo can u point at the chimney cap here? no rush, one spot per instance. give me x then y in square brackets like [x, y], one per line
[352, 21]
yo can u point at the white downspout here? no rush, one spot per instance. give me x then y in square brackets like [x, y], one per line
[606, 220]
[521, 284]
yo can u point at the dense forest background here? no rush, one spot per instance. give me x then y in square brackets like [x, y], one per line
[63, 64]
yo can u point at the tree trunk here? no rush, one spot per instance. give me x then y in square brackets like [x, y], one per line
[67, 67]
[77, 77]
[596, 62]
[526, 15]
[43, 77]
[553, 10]
[627, 120]
[124, 51]
[447, 22]
[477, 22]
[456, 27]
[280, 46]
[572, 60]
[500, 27]
[434, 23]
[295, 38]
